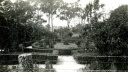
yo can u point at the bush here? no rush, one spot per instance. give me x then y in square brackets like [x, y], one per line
[49, 67]
[110, 36]
[39, 45]
[65, 52]
[29, 43]
[58, 40]
[26, 62]
[78, 43]
[44, 44]
[66, 42]
[4, 68]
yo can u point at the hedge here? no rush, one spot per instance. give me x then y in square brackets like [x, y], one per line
[41, 58]
[9, 59]
[84, 58]
[37, 50]
[88, 58]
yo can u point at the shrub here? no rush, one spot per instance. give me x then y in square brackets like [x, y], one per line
[78, 43]
[110, 36]
[58, 40]
[49, 67]
[66, 42]
[4, 68]
[39, 45]
[25, 60]
[44, 44]
[65, 52]
[29, 43]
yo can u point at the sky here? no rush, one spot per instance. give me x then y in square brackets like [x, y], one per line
[109, 5]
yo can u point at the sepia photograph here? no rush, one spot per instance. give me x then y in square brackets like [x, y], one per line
[63, 35]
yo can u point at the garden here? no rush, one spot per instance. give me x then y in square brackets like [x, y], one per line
[96, 43]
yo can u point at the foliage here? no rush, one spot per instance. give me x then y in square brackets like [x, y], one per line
[92, 15]
[78, 28]
[47, 42]
[66, 42]
[63, 33]
[26, 62]
[49, 67]
[91, 12]
[110, 37]
[68, 12]
[20, 23]
[65, 52]
[4, 68]
[50, 7]
[78, 43]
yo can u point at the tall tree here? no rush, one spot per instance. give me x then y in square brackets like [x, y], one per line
[50, 7]
[91, 15]
[69, 11]
[14, 21]
[91, 12]
[111, 37]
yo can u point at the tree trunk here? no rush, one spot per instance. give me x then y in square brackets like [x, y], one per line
[52, 23]
[49, 19]
[81, 21]
[68, 23]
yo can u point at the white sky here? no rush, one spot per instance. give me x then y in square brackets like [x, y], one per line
[109, 5]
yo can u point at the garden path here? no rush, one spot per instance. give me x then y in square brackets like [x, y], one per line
[65, 63]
